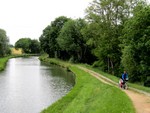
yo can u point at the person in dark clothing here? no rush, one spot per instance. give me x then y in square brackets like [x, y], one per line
[123, 79]
[124, 76]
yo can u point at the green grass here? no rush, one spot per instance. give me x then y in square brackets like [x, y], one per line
[116, 79]
[89, 95]
[140, 87]
[3, 62]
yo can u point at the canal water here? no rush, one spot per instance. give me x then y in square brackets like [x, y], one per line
[28, 86]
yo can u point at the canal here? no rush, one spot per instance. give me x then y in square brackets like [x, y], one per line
[28, 86]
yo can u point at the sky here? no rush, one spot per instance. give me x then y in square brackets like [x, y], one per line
[28, 18]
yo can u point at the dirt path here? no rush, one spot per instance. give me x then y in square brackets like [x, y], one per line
[141, 100]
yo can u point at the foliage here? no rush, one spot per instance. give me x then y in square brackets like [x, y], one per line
[136, 44]
[44, 40]
[24, 43]
[4, 43]
[48, 38]
[28, 45]
[106, 19]
[72, 40]
[35, 46]
[114, 35]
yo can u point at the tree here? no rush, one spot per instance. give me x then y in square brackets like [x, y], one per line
[109, 17]
[44, 41]
[4, 43]
[35, 46]
[71, 39]
[24, 43]
[136, 44]
[50, 33]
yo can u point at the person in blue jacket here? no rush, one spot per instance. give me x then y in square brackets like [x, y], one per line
[124, 76]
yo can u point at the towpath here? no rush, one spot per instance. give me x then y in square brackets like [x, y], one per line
[140, 99]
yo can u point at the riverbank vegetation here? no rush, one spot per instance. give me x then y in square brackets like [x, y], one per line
[89, 95]
[28, 45]
[114, 36]
[3, 62]
[4, 43]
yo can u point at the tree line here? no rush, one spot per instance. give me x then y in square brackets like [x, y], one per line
[114, 36]
[28, 45]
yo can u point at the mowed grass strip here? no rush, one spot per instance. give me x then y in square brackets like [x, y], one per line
[90, 95]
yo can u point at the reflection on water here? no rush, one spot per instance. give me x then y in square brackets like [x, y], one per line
[29, 86]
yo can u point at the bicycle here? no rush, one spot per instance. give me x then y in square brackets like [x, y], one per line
[123, 84]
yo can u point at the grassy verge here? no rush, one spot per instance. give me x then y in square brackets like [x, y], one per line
[89, 95]
[116, 79]
[3, 62]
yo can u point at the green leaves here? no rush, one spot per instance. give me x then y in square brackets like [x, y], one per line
[4, 43]
[71, 38]
[50, 33]
[106, 19]
[28, 45]
[136, 36]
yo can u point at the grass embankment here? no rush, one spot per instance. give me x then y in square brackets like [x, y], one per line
[3, 62]
[116, 79]
[89, 95]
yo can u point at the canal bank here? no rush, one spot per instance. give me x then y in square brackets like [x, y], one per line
[89, 95]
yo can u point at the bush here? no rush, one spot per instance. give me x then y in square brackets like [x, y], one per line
[147, 83]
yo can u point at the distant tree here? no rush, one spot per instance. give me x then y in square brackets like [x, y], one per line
[4, 43]
[24, 43]
[35, 46]
[10, 45]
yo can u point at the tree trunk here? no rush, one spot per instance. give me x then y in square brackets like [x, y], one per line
[112, 67]
[108, 64]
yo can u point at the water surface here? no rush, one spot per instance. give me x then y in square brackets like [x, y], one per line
[28, 86]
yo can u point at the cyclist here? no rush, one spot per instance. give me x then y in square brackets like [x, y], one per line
[123, 79]
[124, 76]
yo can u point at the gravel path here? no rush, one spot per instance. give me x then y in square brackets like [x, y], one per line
[140, 99]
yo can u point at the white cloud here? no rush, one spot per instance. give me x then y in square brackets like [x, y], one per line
[27, 18]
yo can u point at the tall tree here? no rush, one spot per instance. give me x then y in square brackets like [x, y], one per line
[50, 33]
[4, 43]
[109, 17]
[136, 44]
[71, 39]
[44, 41]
